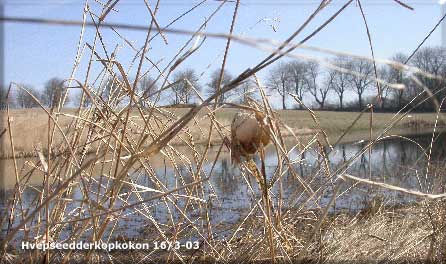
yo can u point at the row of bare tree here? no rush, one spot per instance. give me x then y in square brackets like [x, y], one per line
[53, 92]
[345, 74]
[301, 78]
[185, 88]
[306, 80]
[342, 76]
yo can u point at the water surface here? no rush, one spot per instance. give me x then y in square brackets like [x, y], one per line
[230, 195]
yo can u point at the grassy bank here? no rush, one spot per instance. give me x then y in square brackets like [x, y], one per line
[30, 126]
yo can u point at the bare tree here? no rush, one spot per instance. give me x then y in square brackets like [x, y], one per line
[25, 100]
[319, 92]
[340, 79]
[297, 75]
[431, 60]
[183, 90]
[396, 75]
[279, 80]
[3, 92]
[54, 91]
[246, 89]
[214, 82]
[384, 73]
[362, 79]
[110, 89]
[146, 86]
[78, 99]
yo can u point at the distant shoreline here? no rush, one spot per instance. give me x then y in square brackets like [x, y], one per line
[30, 128]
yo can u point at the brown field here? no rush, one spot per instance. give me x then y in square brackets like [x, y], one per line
[30, 126]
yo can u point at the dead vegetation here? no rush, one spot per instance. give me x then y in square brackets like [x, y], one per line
[407, 234]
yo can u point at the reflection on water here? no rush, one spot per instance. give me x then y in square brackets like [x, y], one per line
[230, 194]
[395, 161]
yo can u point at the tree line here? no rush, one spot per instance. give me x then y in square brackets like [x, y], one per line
[325, 87]
[184, 89]
[357, 76]
[53, 92]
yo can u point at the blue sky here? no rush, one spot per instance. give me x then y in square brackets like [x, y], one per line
[35, 53]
